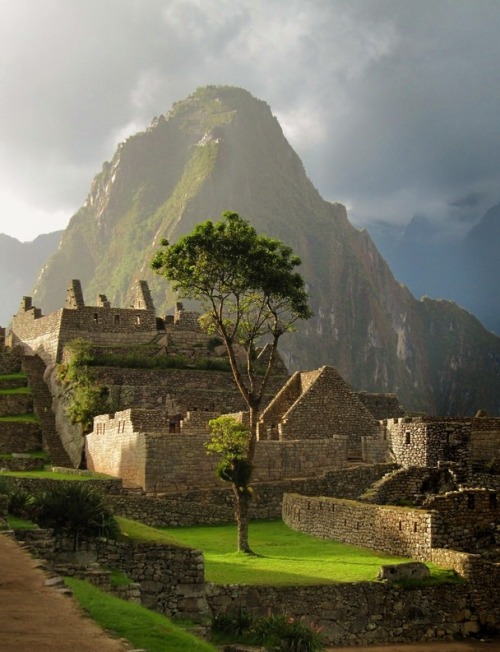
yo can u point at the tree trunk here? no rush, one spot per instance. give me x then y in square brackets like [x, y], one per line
[241, 514]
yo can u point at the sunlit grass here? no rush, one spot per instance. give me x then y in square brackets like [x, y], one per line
[47, 474]
[282, 556]
[145, 629]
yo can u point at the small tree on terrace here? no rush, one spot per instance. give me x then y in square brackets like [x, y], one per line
[250, 294]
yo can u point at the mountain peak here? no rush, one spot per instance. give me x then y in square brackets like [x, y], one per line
[222, 149]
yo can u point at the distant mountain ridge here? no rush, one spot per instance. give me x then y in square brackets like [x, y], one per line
[20, 263]
[466, 271]
[222, 149]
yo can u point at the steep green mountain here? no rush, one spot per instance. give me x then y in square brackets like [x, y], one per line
[19, 265]
[222, 149]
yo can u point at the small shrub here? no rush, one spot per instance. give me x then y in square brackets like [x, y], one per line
[21, 503]
[287, 634]
[232, 623]
[77, 509]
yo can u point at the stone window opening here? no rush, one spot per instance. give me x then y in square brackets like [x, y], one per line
[493, 499]
[407, 437]
[96, 318]
[400, 526]
[415, 527]
[471, 501]
[138, 320]
[117, 320]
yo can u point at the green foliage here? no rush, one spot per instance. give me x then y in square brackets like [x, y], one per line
[276, 631]
[246, 284]
[229, 438]
[77, 509]
[232, 623]
[87, 397]
[287, 634]
[87, 401]
[21, 502]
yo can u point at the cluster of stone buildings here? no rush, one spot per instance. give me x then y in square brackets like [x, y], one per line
[313, 430]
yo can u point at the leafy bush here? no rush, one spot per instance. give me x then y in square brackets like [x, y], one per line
[87, 401]
[21, 503]
[277, 632]
[232, 623]
[287, 634]
[77, 509]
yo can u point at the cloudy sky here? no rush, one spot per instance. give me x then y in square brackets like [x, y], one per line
[393, 105]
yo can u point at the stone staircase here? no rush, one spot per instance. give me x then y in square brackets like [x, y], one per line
[34, 367]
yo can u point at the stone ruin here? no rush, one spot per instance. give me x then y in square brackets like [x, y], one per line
[429, 499]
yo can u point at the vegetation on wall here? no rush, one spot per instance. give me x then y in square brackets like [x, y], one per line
[87, 398]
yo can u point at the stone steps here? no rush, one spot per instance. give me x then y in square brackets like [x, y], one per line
[34, 368]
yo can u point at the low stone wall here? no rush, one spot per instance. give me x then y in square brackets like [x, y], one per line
[13, 404]
[397, 486]
[362, 613]
[171, 578]
[463, 515]
[485, 439]
[397, 530]
[483, 577]
[27, 463]
[10, 360]
[216, 505]
[35, 485]
[17, 437]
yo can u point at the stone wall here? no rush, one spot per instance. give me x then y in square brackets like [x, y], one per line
[146, 449]
[485, 440]
[101, 324]
[452, 520]
[463, 516]
[10, 360]
[425, 441]
[397, 530]
[381, 406]
[363, 613]
[18, 437]
[36, 333]
[175, 390]
[216, 505]
[171, 578]
[12, 404]
[109, 487]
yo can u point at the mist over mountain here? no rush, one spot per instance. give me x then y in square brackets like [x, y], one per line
[222, 149]
[20, 263]
[466, 271]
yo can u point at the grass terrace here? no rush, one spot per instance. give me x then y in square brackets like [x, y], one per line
[283, 556]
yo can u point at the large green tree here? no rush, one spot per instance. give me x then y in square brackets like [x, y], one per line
[250, 295]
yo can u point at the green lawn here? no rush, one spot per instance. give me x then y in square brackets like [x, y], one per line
[145, 629]
[16, 390]
[29, 417]
[284, 557]
[19, 375]
[46, 474]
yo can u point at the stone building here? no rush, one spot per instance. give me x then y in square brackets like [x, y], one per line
[46, 335]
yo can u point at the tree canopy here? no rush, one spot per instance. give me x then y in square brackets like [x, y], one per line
[250, 295]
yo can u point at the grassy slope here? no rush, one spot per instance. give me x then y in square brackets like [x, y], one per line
[143, 628]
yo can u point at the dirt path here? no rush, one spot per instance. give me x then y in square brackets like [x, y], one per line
[36, 618]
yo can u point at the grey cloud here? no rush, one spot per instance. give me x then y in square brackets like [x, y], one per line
[393, 106]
